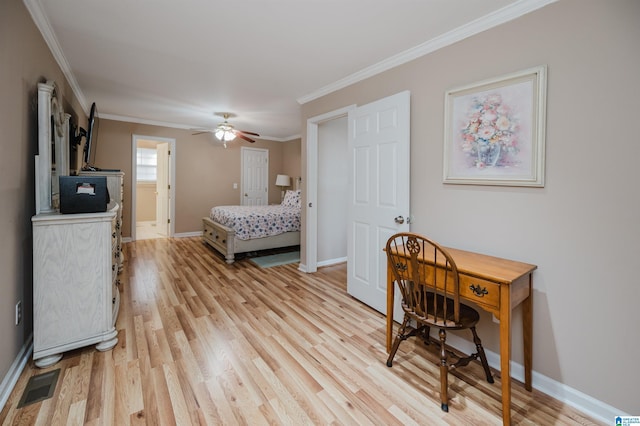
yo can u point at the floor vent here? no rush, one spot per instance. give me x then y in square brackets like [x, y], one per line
[39, 388]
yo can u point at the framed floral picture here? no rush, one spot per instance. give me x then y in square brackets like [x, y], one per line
[495, 131]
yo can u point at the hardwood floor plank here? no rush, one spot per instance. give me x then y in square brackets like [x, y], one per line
[176, 394]
[204, 342]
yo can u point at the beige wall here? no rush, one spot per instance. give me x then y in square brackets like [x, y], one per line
[582, 228]
[205, 170]
[291, 163]
[25, 61]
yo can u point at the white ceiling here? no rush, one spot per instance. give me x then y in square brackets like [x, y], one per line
[177, 62]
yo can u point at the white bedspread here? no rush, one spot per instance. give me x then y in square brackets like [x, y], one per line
[257, 221]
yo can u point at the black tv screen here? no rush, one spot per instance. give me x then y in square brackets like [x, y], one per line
[92, 139]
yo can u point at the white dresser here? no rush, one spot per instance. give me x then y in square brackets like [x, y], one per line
[75, 298]
[115, 185]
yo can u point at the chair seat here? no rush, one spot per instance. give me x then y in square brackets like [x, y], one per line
[469, 317]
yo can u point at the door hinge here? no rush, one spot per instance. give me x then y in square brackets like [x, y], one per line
[168, 220]
[168, 186]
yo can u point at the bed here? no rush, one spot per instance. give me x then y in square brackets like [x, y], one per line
[240, 229]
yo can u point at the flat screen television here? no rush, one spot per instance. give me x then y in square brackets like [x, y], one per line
[90, 146]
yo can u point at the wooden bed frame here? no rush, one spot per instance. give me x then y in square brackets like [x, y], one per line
[223, 239]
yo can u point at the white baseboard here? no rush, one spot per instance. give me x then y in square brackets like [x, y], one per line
[302, 267]
[188, 234]
[11, 378]
[563, 393]
[332, 261]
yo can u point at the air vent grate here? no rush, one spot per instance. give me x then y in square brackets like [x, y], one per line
[39, 388]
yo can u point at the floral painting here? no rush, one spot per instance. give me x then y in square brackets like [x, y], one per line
[494, 131]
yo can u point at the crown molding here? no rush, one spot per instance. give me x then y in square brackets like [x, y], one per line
[41, 21]
[137, 120]
[493, 19]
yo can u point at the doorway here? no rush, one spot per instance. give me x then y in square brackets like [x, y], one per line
[312, 239]
[378, 137]
[152, 207]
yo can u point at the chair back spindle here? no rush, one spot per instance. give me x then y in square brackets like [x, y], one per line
[427, 277]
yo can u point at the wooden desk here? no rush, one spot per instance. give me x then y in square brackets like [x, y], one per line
[500, 285]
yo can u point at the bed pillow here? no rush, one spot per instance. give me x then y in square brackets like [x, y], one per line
[292, 199]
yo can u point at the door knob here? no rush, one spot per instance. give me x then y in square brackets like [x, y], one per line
[399, 220]
[246, 195]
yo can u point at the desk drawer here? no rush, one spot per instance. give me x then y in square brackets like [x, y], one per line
[480, 291]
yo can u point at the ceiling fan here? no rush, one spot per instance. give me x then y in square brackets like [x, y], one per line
[225, 132]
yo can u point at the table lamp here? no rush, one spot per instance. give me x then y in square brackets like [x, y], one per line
[283, 181]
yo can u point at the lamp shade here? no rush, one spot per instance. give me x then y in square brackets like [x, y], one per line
[283, 180]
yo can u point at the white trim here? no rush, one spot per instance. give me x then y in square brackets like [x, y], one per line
[188, 234]
[12, 376]
[330, 262]
[493, 19]
[310, 193]
[172, 181]
[567, 395]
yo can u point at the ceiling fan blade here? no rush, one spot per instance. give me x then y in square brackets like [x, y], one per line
[246, 138]
[201, 132]
[248, 133]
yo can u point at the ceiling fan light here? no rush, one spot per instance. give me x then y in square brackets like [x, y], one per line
[225, 135]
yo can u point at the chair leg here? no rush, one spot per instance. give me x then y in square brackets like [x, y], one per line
[444, 372]
[396, 342]
[481, 354]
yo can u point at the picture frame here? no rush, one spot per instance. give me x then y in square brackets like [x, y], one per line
[494, 131]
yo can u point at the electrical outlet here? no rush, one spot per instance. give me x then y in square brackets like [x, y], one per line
[19, 312]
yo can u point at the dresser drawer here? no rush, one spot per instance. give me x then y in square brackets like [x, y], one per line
[480, 291]
[209, 232]
[214, 236]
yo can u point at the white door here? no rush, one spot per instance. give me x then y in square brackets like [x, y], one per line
[162, 189]
[378, 141]
[255, 176]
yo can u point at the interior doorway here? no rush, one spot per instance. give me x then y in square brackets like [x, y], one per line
[152, 204]
[314, 194]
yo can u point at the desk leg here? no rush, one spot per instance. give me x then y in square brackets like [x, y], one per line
[527, 333]
[389, 309]
[505, 352]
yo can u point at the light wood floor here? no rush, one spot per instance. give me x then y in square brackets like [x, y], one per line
[203, 342]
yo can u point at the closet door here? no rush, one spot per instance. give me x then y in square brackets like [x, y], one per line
[255, 176]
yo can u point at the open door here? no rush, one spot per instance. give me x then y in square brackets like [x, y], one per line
[379, 148]
[162, 189]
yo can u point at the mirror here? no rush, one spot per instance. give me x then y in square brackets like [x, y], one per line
[52, 160]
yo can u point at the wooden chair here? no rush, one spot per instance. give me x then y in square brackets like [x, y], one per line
[431, 298]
